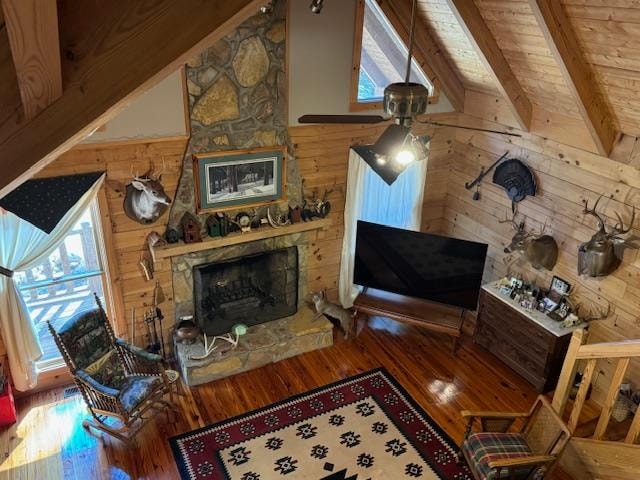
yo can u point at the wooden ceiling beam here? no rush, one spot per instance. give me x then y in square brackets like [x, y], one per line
[490, 54]
[577, 73]
[32, 27]
[143, 43]
[398, 12]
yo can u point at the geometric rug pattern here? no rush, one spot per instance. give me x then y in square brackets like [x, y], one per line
[361, 428]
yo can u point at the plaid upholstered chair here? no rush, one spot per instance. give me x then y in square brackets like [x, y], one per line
[119, 382]
[527, 453]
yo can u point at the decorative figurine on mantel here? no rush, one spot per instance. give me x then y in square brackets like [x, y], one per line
[190, 228]
[172, 235]
[315, 206]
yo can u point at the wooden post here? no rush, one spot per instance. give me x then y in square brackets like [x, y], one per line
[581, 396]
[568, 371]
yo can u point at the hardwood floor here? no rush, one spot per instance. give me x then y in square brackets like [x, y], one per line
[48, 442]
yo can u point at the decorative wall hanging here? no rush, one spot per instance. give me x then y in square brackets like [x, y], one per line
[145, 200]
[44, 201]
[516, 178]
[540, 250]
[481, 175]
[239, 178]
[602, 254]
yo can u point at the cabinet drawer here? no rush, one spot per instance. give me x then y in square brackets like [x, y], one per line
[523, 330]
[533, 360]
[532, 370]
[520, 334]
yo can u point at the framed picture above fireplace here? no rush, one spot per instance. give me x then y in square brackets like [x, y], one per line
[238, 178]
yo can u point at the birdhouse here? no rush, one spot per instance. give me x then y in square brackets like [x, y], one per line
[214, 225]
[190, 228]
[295, 214]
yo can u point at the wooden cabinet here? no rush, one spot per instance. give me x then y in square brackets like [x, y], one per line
[529, 342]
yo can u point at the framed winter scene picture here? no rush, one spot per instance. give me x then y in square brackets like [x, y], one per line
[238, 178]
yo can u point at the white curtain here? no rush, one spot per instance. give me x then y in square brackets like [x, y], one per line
[24, 246]
[370, 198]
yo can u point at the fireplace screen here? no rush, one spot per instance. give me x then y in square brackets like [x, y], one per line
[251, 290]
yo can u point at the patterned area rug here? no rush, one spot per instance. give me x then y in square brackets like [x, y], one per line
[364, 427]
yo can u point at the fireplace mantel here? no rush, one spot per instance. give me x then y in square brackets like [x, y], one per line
[181, 248]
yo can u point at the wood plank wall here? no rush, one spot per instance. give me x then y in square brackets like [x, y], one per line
[124, 238]
[567, 176]
[322, 153]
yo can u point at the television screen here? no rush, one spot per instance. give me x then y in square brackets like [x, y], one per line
[433, 267]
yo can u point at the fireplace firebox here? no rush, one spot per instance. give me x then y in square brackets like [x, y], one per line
[251, 290]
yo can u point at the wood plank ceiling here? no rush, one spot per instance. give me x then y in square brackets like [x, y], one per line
[608, 32]
[605, 31]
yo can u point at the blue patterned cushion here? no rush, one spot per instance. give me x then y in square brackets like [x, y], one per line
[482, 448]
[136, 389]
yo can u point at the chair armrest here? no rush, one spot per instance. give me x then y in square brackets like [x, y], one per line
[505, 415]
[521, 461]
[138, 352]
[95, 385]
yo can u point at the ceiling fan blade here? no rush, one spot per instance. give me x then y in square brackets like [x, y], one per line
[342, 119]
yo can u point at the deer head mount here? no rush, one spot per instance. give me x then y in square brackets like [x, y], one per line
[600, 255]
[145, 200]
[540, 250]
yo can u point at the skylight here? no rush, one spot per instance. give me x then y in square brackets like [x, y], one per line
[383, 57]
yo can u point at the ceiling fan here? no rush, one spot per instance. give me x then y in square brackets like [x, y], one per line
[403, 102]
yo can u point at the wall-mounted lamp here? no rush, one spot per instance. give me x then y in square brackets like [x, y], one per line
[394, 151]
[316, 6]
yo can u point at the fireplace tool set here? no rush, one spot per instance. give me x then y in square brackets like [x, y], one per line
[151, 317]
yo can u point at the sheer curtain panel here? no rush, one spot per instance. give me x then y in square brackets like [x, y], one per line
[24, 246]
[369, 198]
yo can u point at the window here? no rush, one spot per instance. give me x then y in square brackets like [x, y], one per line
[393, 205]
[63, 285]
[380, 58]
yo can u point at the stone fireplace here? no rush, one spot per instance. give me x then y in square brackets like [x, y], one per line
[251, 290]
[261, 284]
[237, 101]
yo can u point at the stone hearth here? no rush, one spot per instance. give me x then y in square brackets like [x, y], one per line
[263, 344]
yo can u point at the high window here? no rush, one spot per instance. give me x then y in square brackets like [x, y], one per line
[64, 284]
[380, 58]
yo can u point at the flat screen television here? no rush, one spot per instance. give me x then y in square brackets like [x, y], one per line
[433, 267]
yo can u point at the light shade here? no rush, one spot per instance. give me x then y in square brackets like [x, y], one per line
[394, 151]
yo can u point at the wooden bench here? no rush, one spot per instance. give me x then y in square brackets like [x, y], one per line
[429, 315]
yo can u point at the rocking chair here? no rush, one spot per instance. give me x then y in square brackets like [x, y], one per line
[528, 453]
[119, 382]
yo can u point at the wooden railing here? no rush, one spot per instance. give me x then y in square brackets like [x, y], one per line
[624, 351]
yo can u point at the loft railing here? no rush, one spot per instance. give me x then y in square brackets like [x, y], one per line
[624, 351]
